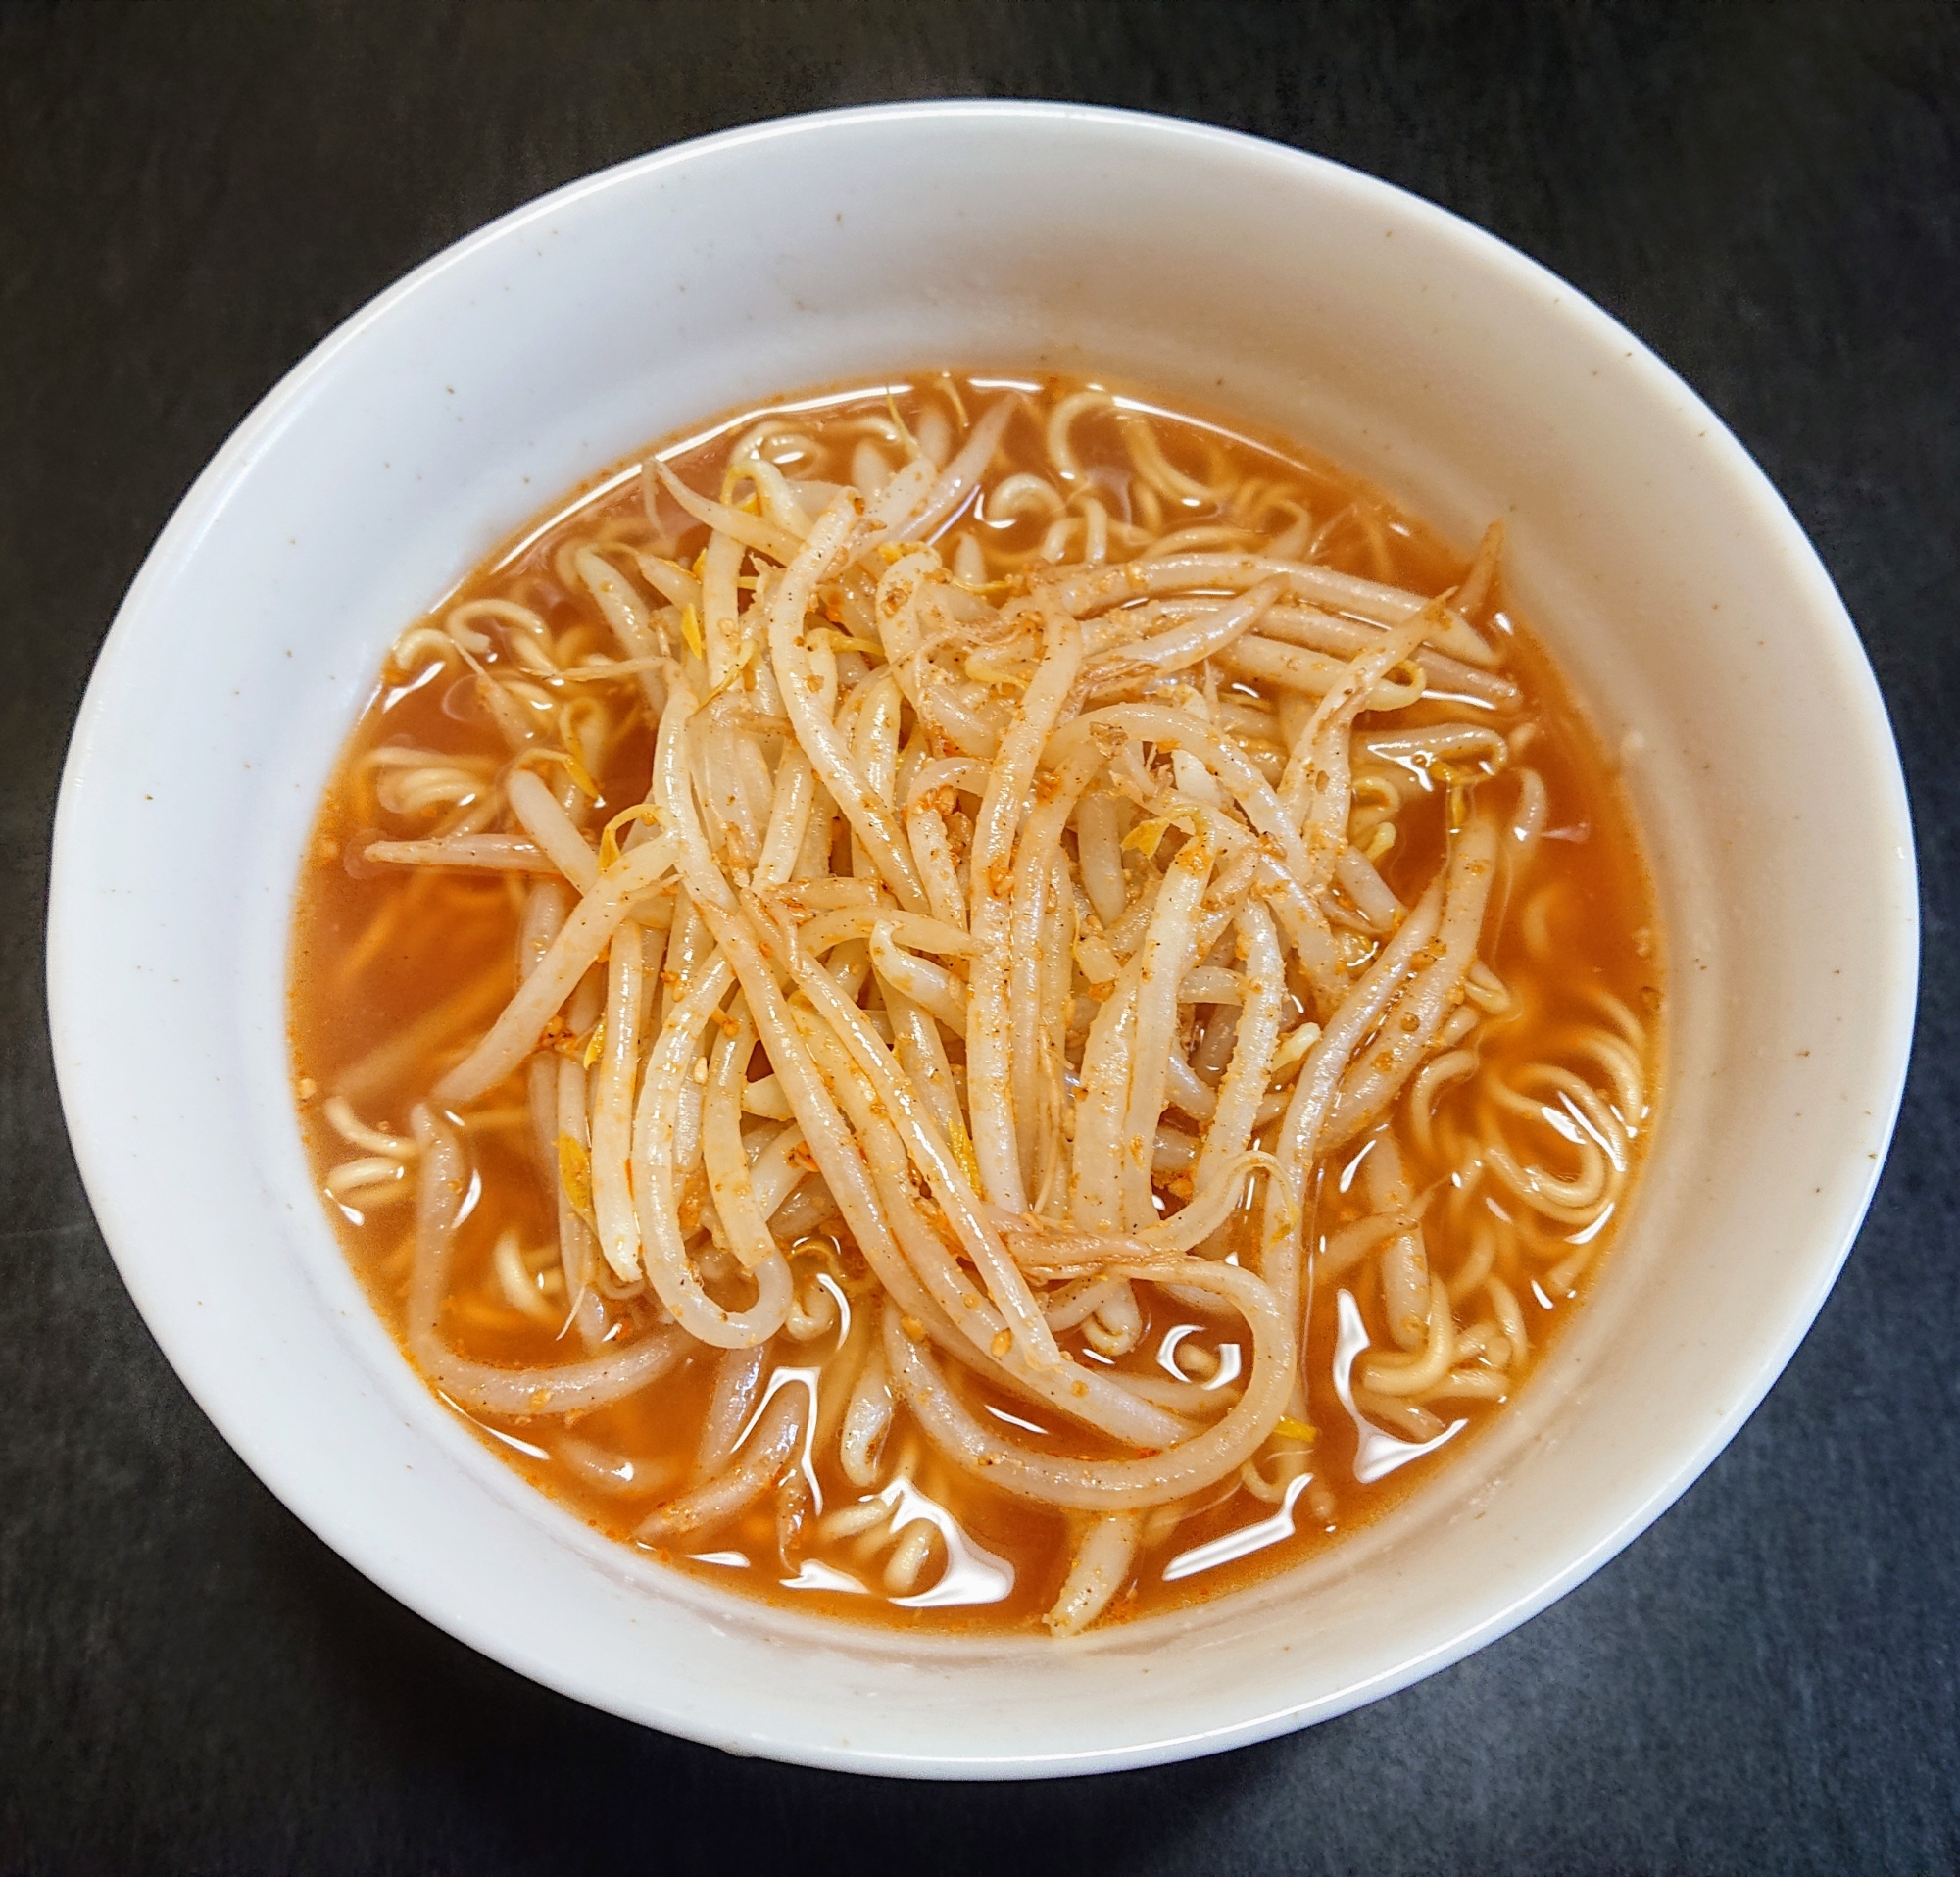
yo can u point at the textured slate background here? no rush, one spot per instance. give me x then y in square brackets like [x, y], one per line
[191, 195]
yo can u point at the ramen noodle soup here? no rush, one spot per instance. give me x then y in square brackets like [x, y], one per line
[975, 1003]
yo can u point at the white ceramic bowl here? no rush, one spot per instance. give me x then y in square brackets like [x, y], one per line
[1659, 563]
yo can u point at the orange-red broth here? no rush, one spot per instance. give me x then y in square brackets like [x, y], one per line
[395, 971]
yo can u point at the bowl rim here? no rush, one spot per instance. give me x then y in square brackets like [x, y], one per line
[122, 1228]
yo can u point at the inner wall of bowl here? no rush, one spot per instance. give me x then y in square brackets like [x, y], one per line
[1294, 295]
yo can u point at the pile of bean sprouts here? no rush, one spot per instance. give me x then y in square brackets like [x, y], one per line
[1016, 916]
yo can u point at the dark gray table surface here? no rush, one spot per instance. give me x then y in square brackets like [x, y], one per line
[190, 196]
